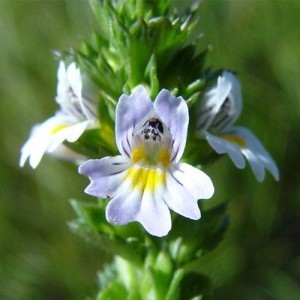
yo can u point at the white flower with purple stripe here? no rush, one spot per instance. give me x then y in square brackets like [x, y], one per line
[147, 179]
[220, 108]
[77, 113]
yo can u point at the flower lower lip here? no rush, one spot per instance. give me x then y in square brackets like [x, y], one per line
[145, 178]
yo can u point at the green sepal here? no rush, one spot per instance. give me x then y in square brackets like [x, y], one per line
[127, 11]
[193, 91]
[151, 72]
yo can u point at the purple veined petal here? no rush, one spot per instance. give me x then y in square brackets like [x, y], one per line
[123, 208]
[258, 157]
[212, 102]
[131, 205]
[231, 108]
[89, 98]
[130, 111]
[89, 110]
[68, 78]
[106, 175]
[154, 213]
[62, 81]
[63, 86]
[140, 198]
[86, 106]
[236, 94]
[74, 79]
[185, 186]
[222, 145]
[173, 111]
[69, 93]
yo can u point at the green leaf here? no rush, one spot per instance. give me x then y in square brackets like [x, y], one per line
[140, 52]
[151, 72]
[128, 275]
[174, 288]
[90, 214]
[88, 50]
[113, 292]
[166, 39]
[102, 11]
[162, 274]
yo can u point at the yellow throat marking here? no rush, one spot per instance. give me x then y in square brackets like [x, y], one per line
[58, 128]
[235, 139]
[139, 155]
[145, 179]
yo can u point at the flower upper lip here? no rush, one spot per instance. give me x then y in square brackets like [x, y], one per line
[133, 115]
[222, 104]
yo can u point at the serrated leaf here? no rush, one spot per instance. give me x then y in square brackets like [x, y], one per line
[151, 73]
[139, 52]
[114, 291]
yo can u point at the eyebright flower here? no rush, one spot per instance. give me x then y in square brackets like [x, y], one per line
[77, 113]
[220, 108]
[147, 179]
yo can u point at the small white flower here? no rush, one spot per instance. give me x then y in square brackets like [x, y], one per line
[220, 108]
[147, 179]
[76, 114]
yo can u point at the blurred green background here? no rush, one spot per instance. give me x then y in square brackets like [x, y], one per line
[260, 256]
